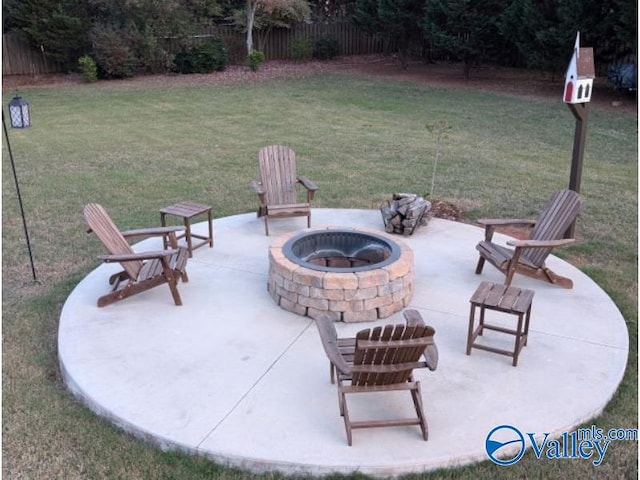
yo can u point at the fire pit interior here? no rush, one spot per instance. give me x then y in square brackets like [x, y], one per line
[353, 275]
[340, 250]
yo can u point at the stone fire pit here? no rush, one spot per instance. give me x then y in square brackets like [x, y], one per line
[353, 275]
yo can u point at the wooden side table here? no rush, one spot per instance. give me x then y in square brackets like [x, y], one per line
[186, 211]
[501, 298]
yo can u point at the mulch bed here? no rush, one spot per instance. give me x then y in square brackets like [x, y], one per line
[444, 209]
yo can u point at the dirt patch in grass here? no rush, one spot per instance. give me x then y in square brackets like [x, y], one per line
[446, 210]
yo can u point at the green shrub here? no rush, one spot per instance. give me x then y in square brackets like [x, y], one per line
[302, 49]
[256, 59]
[205, 57]
[112, 52]
[154, 58]
[88, 68]
[326, 48]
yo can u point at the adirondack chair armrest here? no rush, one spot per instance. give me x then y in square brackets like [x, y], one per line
[125, 257]
[152, 231]
[413, 318]
[499, 222]
[431, 356]
[490, 224]
[329, 337]
[308, 184]
[541, 243]
[336, 358]
[259, 189]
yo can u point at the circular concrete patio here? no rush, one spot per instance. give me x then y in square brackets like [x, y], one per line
[233, 377]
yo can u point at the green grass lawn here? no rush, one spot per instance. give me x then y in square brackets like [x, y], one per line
[136, 148]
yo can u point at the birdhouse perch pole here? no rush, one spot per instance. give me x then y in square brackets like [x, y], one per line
[578, 87]
[581, 113]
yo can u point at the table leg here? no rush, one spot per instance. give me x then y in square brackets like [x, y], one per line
[526, 326]
[472, 315]
[519, 343]
[210, 218]
[187, 234]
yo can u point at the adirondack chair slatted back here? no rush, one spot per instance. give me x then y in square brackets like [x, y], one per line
[383, 346]
[109, 234]
[278, 174]
[558, 215]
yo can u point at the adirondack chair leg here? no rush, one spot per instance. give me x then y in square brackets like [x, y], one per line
[341, 399]
[309, 221]
[488, 236]
[132, 289]
[111, 298]
[556, 279]
[175, 294]
[512, 266]
[117, 295]
[180, 265]
[345, 415]
[416, 395]
[511, 270]
[171, 281]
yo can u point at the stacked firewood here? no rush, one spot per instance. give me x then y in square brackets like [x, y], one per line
[404, 213]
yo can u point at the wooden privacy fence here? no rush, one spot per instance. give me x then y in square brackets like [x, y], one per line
[19, 58]
[279, 43]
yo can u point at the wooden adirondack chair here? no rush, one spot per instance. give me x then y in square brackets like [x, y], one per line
[141, 271]
[381, 359]
[276, 189]
[528, 256]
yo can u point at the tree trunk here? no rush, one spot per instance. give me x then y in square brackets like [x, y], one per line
[252, 5]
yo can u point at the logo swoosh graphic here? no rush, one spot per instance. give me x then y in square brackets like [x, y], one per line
[492, 445]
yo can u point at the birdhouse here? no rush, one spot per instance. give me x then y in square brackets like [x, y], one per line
[580, 74]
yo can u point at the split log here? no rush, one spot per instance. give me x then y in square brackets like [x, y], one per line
[404, 213]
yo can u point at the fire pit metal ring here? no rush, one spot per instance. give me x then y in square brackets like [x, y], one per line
[341, 250]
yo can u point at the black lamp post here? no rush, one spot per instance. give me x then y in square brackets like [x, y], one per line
[20, 118]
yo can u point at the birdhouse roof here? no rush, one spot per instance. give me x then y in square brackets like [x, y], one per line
[585, 65]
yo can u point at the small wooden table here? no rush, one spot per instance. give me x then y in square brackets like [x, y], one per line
[186, 211]
[501, 298]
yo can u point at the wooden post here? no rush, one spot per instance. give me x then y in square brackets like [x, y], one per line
[581, 113]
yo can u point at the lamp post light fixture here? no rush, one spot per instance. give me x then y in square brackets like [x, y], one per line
[19, 113]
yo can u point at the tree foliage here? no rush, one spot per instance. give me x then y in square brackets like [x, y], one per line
[143, 27]
[397, 21]
[532, 33]
[122, 35]
[126, 35]
[262, 16]
[464, 29]
[58, 28]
